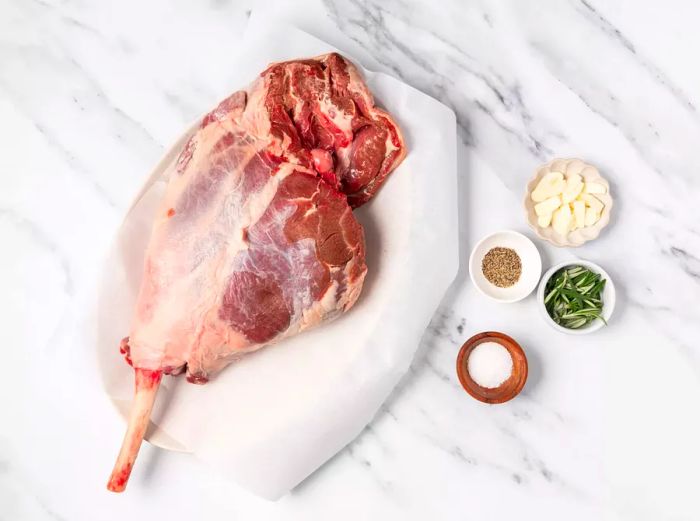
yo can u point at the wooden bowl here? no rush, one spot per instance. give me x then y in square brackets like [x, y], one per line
[508, 389]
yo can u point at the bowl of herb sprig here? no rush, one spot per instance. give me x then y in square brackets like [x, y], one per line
[576, 297]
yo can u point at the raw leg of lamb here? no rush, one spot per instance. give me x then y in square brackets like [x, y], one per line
[255, 239]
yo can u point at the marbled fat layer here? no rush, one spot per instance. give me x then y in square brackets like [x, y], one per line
[607, 426]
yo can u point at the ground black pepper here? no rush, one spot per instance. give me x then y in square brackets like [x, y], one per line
[501, 267]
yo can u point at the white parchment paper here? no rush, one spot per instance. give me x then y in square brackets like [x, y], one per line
[271, 419]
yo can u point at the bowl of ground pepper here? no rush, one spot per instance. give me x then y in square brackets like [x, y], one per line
[505, 266]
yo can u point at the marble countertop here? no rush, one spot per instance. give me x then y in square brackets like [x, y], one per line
[607, 426]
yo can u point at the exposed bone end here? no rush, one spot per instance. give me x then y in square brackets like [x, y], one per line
[147, 383]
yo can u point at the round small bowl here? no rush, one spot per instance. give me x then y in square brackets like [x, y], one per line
[608, 297]
[529, 258]
[590, 174]
[508, 389]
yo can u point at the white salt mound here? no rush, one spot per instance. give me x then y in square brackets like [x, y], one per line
[490, 364]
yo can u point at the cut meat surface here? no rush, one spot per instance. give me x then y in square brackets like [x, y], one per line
[324, 105]
[255, 239]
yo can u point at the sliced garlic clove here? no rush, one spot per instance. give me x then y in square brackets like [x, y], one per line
[593, 202]
[550, 185]
[594, 188]
[574, 186]
[548, 206]
[561, 220]
[543, 221]
[579, 210]
[591, 217]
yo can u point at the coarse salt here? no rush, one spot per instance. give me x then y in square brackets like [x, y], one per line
[490, 364]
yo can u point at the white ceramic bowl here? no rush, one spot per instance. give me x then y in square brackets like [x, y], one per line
[529, 258]
[608, 298]
[578, 237]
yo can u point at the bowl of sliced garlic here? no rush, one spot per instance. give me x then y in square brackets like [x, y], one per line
[568, 202]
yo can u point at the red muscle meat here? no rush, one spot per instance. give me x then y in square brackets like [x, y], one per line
[255, 239]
